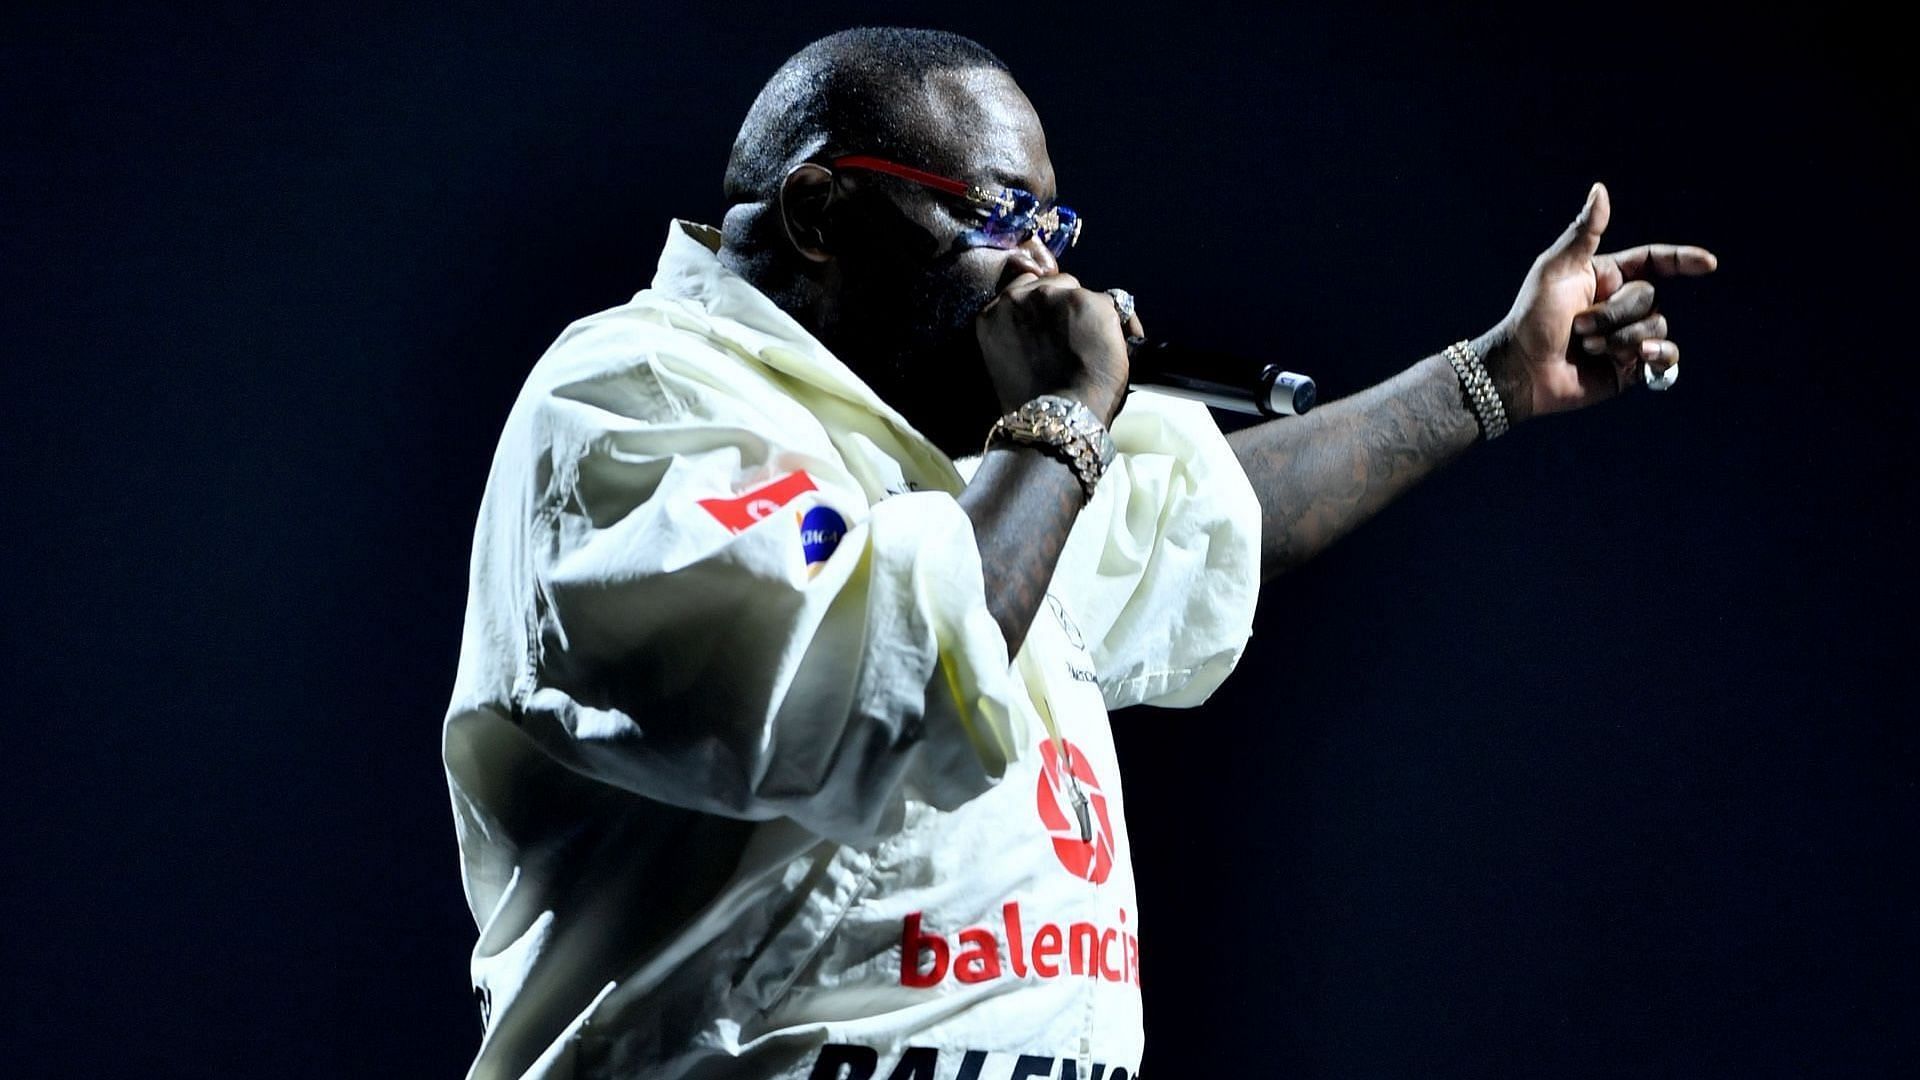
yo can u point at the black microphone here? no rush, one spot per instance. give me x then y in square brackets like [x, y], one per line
[1218, 379]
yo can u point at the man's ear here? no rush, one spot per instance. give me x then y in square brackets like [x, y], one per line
[805, 198]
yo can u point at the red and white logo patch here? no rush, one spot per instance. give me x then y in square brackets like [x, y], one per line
[1074, 809]
[743, 510]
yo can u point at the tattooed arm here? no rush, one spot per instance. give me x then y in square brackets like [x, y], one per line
[1579, 330]
[1319, 475]
[1023, 502]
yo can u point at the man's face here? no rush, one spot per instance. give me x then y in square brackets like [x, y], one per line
[910, 287]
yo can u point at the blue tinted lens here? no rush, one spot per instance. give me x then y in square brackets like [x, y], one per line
[984, 237]
[1010, 226]
[1064, 234]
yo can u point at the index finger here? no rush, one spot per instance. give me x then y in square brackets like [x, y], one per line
[1020, 281]
[1029, 281]
[1662, 260]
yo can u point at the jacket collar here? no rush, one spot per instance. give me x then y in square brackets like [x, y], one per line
[690, 269]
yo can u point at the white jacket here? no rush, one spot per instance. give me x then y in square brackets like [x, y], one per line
[744, 782]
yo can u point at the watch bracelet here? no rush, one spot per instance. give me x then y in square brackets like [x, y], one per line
[1477, 385]
[1064, 428]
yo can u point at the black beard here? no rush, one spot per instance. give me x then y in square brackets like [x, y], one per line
[931, 369]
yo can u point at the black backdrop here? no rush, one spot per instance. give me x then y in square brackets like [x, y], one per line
[1591, 757]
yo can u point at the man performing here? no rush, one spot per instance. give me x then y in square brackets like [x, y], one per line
[779, 746]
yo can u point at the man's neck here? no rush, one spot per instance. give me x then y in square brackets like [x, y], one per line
[944, 418]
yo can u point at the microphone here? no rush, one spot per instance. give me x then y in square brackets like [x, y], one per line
[1217, 379]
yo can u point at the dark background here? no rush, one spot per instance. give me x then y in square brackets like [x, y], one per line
[1593, 757]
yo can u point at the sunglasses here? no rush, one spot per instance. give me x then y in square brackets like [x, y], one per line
[1012, 215]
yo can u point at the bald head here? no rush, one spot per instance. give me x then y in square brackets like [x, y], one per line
[873, 90]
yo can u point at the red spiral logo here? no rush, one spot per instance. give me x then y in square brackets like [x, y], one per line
[1086, 857]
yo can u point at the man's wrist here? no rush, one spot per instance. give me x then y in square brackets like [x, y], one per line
[1101, 398]
[1508, 370]
[1064, 427]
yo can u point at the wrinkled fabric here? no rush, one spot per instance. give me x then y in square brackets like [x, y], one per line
[744, 781]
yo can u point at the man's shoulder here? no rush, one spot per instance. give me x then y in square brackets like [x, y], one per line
[647, 339]
[630, 336]
[657, 359]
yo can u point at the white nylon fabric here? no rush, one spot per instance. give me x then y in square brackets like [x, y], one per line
[734, 738]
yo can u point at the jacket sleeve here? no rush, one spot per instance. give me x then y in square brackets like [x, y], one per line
[1163, 566]
[721, 620]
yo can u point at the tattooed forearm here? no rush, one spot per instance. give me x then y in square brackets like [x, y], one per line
[1319, 475]
[1022, 503]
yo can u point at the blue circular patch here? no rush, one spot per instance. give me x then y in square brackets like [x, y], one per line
[820, 533]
